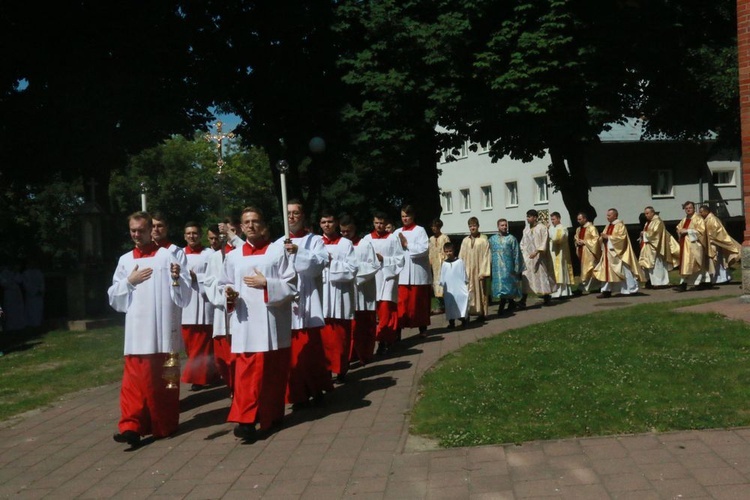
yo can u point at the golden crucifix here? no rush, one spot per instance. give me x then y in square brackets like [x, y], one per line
[219, 138]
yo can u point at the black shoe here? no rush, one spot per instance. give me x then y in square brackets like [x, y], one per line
[577, 293]
[130, 437]
[547, 299]
[423, 331]
[246, 432]
[480, 319]
[464, 323]
[319, 399]
[341, 378]
[521, 304]
[302, 405]
[197, 387]
[682, 287]
[604, 295]
[381, 349]
[704, 286]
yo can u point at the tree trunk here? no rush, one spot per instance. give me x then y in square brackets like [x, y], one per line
[568, 174]
[425, 193]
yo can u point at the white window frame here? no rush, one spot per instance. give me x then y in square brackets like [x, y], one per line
[447, 198]
[465, 200]
[486, 192]
[463, 151]
[669, 176]
[541, 196]
[732, 173]
[509, 194]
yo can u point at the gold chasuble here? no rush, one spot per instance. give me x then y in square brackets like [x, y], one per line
[560, 252]
[719, 239]
[590, 252]
[692, 245]
[657, 243]
[614, 256]
[475, 252]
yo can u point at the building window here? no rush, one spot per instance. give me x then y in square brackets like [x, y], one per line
[447, 202]
[541, 192]
[463, 151]
[661, 184]
[511, 194]
[465, 200]
[486, 197]
[723, 178]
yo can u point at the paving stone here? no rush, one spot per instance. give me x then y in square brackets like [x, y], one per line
[355, 446]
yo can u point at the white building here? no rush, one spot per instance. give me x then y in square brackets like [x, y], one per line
[624, 171]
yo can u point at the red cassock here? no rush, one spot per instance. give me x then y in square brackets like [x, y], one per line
[261, 328]
[308, 375]
[197, 329]
[363, 336]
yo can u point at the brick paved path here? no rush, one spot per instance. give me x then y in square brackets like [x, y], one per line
[359, 446]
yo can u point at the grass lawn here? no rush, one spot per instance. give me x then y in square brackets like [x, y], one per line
[37, 370]
[637, 369]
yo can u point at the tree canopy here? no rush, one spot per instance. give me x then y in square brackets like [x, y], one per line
[387, 84]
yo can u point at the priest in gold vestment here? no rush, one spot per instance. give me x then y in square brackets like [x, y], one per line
[723, 250]
[618, 268]
[693, 255]
[656, 257]
[475, 252]
[559, 249]
[589, 252]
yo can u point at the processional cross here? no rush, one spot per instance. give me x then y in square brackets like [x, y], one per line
[219, 138]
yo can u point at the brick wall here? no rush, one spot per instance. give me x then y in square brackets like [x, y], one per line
[743, 46]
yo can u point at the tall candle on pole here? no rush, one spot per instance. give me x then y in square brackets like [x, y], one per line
[283, 168]
[143, 196]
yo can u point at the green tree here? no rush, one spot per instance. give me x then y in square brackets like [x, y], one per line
[181, 179]
[550, 76]
[85, 84]
[404, 61]
[40, 221]
[273, 64]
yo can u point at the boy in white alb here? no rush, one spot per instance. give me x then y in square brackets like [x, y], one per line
[455, 282]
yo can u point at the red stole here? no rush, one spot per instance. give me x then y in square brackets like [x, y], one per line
[189, 250]
[334, 241]
[299, 234]
[409, 227]
[355, 241]
[147, 251]
[377, 236]
[165, 244]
